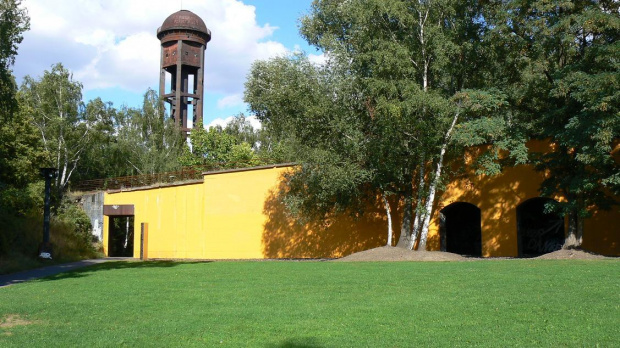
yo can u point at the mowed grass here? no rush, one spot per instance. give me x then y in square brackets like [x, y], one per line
[553, 303]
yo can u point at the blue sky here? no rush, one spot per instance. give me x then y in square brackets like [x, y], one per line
[111, 47]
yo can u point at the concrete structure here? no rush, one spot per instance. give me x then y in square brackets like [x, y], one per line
[184, 37]
[237, 215]
[92, 204]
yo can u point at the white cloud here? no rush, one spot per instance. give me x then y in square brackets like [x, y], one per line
[112, 43]
[254, 122]
[231, 100]
[222, 122]
[319, 59]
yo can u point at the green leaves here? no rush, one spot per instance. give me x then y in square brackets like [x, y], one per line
[224, 148]
[145, 140]
[568, 93]
[14, 21]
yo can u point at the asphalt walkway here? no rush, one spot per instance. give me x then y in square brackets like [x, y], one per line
[24, 276]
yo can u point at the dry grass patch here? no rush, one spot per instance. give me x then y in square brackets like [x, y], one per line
[13, 320]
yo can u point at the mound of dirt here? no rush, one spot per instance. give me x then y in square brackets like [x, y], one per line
[388, 253]
[571, 254]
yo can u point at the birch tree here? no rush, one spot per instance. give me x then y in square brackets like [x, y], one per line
[54, 104]
[410, 58]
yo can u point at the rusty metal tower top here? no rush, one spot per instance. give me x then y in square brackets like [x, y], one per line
[184, 37]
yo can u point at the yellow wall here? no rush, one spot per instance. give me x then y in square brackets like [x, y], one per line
[174, 215]
[602, 233]
[236, 215]
[498, 197]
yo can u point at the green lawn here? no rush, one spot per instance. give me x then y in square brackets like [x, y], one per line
[319, 304]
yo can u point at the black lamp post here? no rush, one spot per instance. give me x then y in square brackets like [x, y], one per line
[45, 251]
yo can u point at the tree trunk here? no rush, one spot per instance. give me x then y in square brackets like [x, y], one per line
[428, 209]
[389, 219]
[415, 231]
[405, 230]
[575, 231]
[418, 213]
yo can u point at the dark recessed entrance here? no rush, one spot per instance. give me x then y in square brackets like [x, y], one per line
[120, 236]
[539, 233]
[460, 229]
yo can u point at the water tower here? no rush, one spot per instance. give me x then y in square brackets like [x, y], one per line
[184, 38]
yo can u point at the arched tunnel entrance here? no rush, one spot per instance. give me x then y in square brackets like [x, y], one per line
[460, 230]
[539, 232]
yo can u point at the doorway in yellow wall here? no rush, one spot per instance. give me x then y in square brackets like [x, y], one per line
[120, 236]
[539, 232]
[459, 229]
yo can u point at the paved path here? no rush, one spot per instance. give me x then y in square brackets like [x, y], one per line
[14, 278]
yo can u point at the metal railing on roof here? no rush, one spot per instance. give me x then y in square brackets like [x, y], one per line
[185, 175]
[144, 180]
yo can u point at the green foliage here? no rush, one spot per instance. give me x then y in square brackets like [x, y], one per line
[144, 141]
[21, 229]
[14, 21]
[307, 111]
[384, 104]
[566, 91]
[98, 159]
[20, 235]
[53, 104]
[71, 233]
[241, 129]
[487, 120]
[21, 201]
[17, 143]
[73, 214]
[324, 184]
[21, 152]
[231, 147]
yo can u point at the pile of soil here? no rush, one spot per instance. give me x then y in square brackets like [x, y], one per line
[572, 254]
[387, 253]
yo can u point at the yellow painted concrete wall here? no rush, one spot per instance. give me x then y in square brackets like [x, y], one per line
[236, 215]
[174, 215]
[498, 197]
[602, 233]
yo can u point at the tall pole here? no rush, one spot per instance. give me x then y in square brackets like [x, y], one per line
[45, 251]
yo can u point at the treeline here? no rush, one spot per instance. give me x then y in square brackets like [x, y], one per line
[95, 140]
[45, 123]
[408, 86]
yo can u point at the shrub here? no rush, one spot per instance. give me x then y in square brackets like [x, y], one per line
[72, 238]
[21, 230]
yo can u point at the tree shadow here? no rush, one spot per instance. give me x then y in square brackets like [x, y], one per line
[496, 196]
[601, 232]
[302, 342]
[115, 265]
[333, 236]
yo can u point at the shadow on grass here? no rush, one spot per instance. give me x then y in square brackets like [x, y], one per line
[116, 265]
[301, 342]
